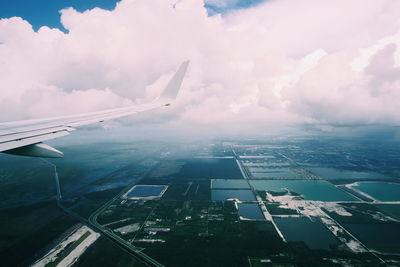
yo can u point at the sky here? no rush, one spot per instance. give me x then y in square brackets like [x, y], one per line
[46, 12]
[256, 66]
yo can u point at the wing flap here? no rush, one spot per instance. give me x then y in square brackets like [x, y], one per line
[31, 140]
[32, 133]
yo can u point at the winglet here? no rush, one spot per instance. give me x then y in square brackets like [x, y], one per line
[171, 90]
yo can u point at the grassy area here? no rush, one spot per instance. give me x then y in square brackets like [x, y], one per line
[138, 210]
[361, 213]
[210, 168]
[390, 209]
[25, 231]
[199, 233]
[106, 253]
[274, 209]
[88, 203]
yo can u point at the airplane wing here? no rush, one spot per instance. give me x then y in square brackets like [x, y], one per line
[25, 137]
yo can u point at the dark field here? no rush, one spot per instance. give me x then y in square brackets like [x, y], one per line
[220, 240]
[210, 168]
[21, 242]
[106, 253]
[390, 209]
[382, 237]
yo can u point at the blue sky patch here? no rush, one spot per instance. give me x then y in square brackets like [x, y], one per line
[226, 6]
[46, 12]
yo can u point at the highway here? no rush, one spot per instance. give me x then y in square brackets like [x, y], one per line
[136, 251]
[93, 224]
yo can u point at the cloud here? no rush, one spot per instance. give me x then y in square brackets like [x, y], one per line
[277, 64]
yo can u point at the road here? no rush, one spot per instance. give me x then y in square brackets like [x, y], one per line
[93, 224]
[246, 175]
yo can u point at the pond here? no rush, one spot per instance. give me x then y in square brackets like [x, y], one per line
[222, 195]
[383, 191]
[314, 234]
[338, 174]
[266, 164]
[275, 175]
[146, 191]
[269, 169]
[250, 211]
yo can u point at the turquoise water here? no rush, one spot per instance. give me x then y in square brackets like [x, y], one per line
[380, 190]
[314, 234]
[229, 184]
[276, 175]
[338, 174]
[268, 169]
[221, 195]
[266, 164]
[317, 190]
[264, 156]
[250, 211]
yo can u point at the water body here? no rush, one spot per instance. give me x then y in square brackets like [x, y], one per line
[221, 195]
[258, 157]
[266, 164]
[276, 175]
[269, 169]
[146, 191]
[380, 190]
[250, 211]
[383, 237]
[229, 184]
[314, 234]
[338, 174]
[317, 190]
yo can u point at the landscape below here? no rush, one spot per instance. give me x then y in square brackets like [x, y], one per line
[289, 202]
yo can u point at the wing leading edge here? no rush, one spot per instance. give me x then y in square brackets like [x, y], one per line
[26, 137]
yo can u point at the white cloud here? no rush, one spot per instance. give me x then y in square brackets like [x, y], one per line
[280, 63]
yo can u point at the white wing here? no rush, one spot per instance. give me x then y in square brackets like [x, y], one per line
[26, 137]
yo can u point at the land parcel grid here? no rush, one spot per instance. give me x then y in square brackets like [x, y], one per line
[184, 227]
